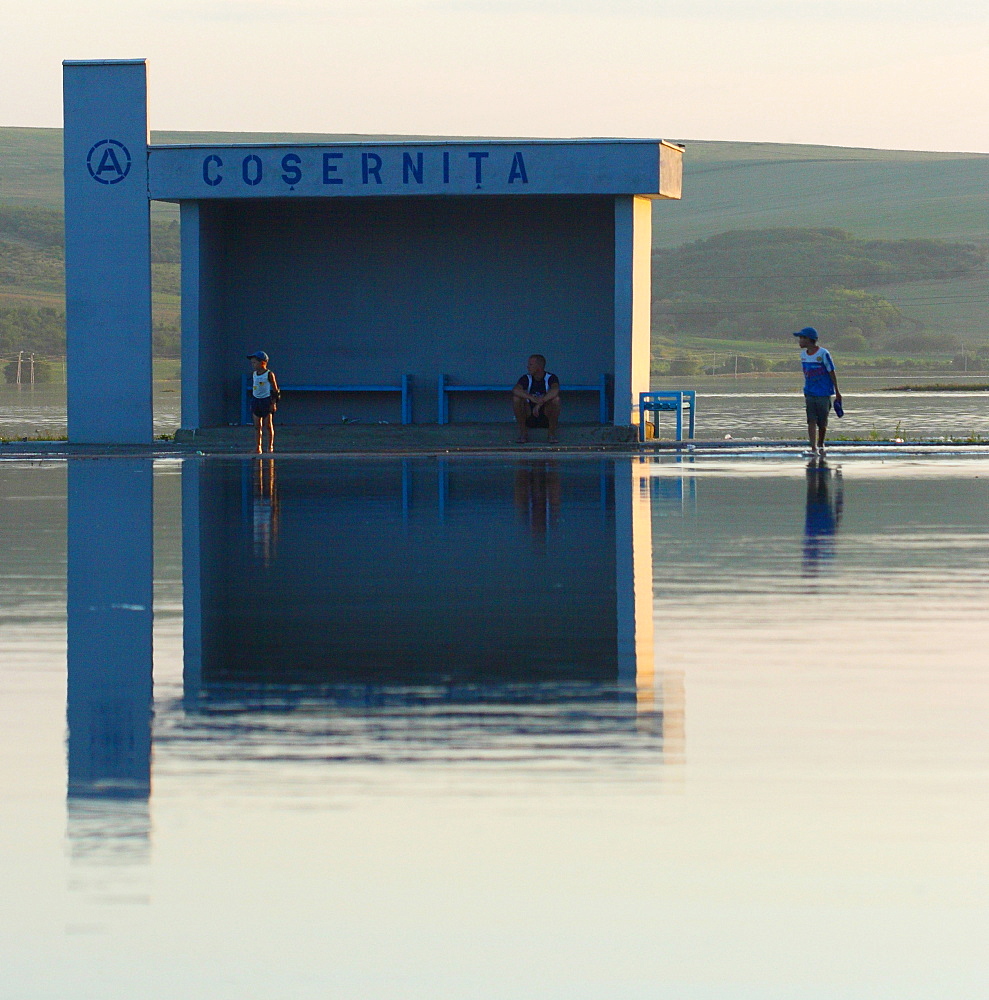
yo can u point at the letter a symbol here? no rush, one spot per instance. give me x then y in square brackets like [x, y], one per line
[518, 170]
[109, 162]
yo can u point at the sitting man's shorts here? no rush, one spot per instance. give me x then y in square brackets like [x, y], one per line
[532, 421]
[261, 406]
[818, 408]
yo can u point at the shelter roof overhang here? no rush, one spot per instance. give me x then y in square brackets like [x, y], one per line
[646, 168]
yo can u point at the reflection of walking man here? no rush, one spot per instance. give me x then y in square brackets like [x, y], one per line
[536, 400]
[823, 516]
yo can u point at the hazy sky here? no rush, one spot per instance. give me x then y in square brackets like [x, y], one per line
[887, 73]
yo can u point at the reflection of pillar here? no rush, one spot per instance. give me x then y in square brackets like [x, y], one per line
[633, 292]
[633, 538]
[192, 582]
[109, 591]
[672, 696]
[107, 252]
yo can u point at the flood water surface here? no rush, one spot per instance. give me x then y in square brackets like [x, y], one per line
[474, 728]
[767, 408]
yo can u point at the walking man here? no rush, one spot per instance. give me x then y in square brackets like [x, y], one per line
[820, 384]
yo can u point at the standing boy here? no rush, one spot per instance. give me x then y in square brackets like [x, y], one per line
[820, 384]
[264, 397]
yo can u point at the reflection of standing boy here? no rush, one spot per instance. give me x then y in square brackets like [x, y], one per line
[264, 396]
[820, 384]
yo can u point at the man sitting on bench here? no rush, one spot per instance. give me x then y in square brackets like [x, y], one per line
[536, 400]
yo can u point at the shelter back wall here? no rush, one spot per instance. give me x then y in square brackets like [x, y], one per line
[364, 290]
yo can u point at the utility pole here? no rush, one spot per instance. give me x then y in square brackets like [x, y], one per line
[32, 368]
[20, 356]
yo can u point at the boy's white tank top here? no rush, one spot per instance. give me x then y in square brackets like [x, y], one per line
[262, 385]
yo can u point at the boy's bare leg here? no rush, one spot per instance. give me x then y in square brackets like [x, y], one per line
[822, 429]
[520, 407]
[257, 433]
[552, 411]
[270, 422]
[812, 434]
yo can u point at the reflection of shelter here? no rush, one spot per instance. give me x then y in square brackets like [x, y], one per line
[393, 583]
[414, 571]
[354, 265]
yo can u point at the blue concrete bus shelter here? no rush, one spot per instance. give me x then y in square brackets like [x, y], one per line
[354, 265]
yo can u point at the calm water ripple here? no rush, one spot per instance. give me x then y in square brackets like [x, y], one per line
[551, 728]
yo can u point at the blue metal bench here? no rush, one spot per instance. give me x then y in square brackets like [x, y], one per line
[445, 389]
[667, 401]
[405, 388]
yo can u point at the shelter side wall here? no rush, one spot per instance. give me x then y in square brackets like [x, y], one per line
[191, 271]
[633, 306]
[364, 291]
[203, 242]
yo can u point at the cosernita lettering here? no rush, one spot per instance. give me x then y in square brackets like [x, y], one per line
[370, 169]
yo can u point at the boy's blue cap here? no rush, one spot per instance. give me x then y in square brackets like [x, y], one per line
[260, 355]
[808, 331]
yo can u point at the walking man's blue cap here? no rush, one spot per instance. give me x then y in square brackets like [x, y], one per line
[261, 356]
[808, 331]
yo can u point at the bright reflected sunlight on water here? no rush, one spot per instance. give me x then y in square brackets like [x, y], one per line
[470, 728]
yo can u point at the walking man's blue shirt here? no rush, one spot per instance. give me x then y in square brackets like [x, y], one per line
[817, 372]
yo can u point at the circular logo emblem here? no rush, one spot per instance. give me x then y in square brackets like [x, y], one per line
[108, 161]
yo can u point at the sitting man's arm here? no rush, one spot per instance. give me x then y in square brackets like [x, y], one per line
[519, 393]
[552, 393]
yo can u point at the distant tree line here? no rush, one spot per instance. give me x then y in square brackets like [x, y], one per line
[755, 283]
[32, 255]
[732, 363]
[42, 330]
[44, 229]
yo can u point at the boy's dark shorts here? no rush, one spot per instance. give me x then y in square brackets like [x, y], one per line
[261, 407]
[818, 408]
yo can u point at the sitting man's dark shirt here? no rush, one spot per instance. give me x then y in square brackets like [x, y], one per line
[537, 387]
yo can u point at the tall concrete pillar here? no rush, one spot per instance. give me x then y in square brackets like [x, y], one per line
[633, 291]
[107, 252]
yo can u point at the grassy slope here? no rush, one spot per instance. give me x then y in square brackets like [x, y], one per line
[727, 185]
[871, 193]
[959, 306]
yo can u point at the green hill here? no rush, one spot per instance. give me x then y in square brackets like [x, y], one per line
[728, 259]
[752, 284]
[878, 194]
